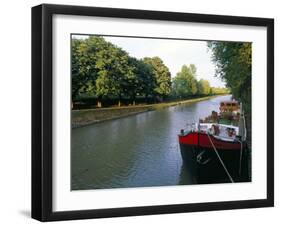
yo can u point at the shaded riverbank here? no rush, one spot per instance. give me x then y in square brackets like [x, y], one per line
[136, 151]
[90, 116]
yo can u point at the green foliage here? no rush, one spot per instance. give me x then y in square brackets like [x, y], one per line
[185, 83]
[203, 87]
[234, 65]
[102, 70]
[219, 90]
[180, 85]
[145, 81]
[162, 76]
[84, 72]
[99, 67]
[114, 72]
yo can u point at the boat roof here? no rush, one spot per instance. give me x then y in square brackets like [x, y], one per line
[223, 125]
[230, 101]
[223, 130]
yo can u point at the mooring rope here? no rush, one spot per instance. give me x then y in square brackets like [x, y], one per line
[230, 178]
[245, 129]
[240, 162]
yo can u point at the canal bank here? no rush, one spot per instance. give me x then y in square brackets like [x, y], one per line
[91, 116]
[137, 151]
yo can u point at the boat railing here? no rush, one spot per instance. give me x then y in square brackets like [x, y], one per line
[242, 124]
[191, 126]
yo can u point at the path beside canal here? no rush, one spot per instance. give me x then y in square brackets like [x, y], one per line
[90, 116]
[136, 151]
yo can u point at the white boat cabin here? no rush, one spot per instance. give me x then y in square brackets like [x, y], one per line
[220, 131]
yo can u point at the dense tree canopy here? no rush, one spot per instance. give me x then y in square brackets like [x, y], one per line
[204, 87]
[105, 70]
[84, 72]
[114, 72]
[162, 76]
[219, 90]
[102, 70]
[145, 80]
[234, 65]
[185, 83]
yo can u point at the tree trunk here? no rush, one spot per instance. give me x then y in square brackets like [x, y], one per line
[119, 101]
[99, 104]
[134, 100]
[74, 94]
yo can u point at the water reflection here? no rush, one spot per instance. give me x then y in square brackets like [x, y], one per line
[137, 151]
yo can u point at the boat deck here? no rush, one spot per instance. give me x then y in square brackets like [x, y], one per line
[220, 131]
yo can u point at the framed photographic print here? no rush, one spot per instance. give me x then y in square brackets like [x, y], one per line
[145, 112]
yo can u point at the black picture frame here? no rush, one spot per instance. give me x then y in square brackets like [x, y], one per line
[42, 111]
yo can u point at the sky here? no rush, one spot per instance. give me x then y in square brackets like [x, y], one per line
[174, 53]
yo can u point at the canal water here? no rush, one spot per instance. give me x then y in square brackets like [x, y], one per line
[136, 151]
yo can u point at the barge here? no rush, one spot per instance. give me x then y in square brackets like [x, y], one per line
[215, 150]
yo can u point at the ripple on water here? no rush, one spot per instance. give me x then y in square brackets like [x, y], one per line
[140, 150]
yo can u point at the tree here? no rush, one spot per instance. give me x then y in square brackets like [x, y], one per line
[219, 90]
[162, 76]
[234, 65]
[114, 72]
[180, 86]
[143, 82]
[204, 87]
[84, 72]
[185, 83]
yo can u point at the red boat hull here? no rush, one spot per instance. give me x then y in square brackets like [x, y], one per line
[202, 140]
[202, 161]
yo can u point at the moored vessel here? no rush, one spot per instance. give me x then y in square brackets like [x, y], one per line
[215, 149]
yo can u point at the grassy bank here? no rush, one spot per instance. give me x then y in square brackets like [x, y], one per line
[86, 117]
